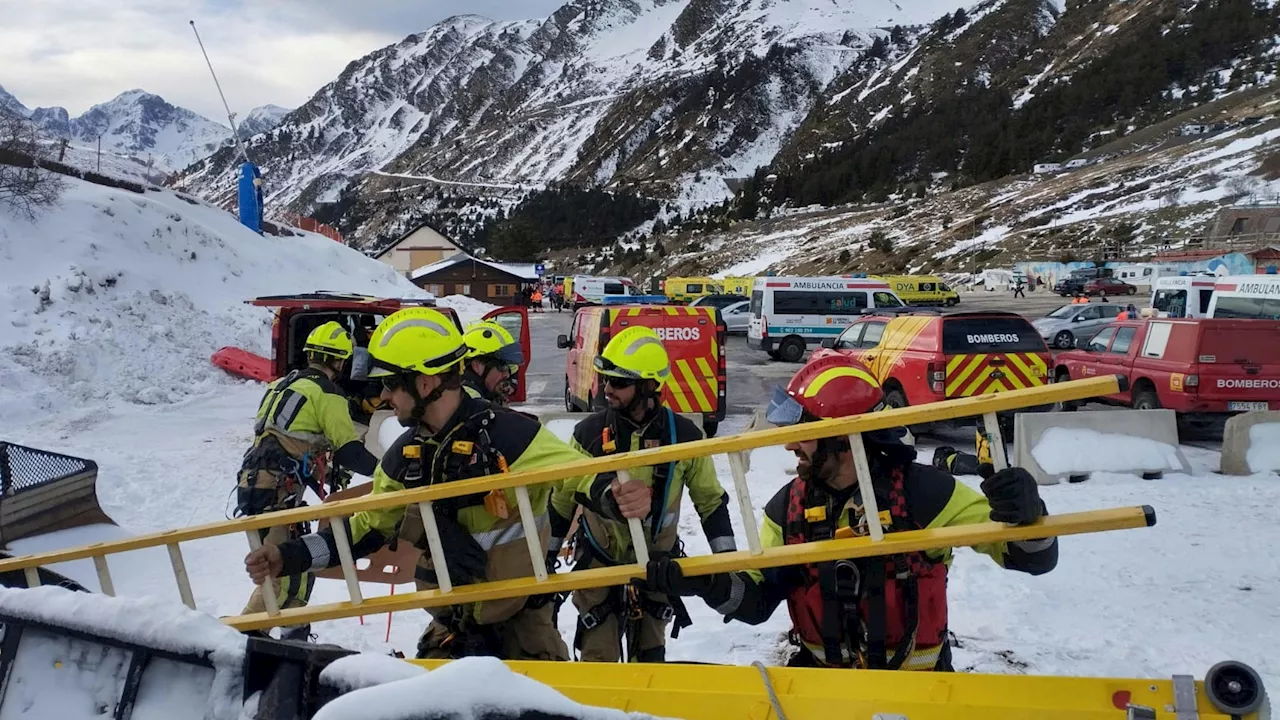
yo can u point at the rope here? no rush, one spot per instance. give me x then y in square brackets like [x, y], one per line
[768, 686]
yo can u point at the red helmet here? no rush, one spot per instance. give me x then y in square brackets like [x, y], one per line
[830, 386]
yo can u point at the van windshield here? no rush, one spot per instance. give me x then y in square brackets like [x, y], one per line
[1248, 308]
[1173, 302]
[990, 335]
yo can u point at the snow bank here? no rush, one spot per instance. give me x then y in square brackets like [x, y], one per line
[463, 689]
[469, 309]
[1264, 447]
[115, 295]
[1073, 450]
[74, 679]
[363, 670]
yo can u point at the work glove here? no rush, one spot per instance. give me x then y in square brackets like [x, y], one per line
[663, 576]
[465, 557]
[1014, 497]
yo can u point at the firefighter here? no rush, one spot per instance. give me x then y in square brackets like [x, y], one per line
[418, 354]
[634, 367]
[878, 612]
[493, 362]
[302, 417]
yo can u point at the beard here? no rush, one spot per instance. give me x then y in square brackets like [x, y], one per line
[806, 470]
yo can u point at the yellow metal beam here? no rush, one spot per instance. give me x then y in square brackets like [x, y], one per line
[713, 692]
[934, 412]
[893, 543]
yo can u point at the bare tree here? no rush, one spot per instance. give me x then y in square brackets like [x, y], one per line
[24, 186]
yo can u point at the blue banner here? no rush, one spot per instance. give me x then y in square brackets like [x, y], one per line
[251, 197]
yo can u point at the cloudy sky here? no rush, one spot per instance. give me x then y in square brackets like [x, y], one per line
[76, 53]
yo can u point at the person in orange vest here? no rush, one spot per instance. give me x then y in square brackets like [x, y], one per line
[537, 299]
[877, 612]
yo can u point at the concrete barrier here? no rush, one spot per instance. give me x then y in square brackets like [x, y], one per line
[1057, 445]
[1245, 446]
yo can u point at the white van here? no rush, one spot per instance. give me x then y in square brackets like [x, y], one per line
[1246, 297]
[1144, 274]
[790, 315]
[589, 290]
[1186, 296]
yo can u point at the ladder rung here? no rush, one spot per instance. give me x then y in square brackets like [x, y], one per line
[991, 428]
[269, 599]
[536, 554]
[637, 528]
[435, 547]
[33, 577]
[339, 526]
[743, 494]
[870, 509]
[104, 575]
[180, 575]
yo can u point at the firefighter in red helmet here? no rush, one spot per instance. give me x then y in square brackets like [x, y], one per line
[880, 612]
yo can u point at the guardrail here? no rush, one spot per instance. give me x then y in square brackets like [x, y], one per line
[733, 446]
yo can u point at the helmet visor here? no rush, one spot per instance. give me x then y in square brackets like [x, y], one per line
[783, 409]
[605, 366]
[510, 354]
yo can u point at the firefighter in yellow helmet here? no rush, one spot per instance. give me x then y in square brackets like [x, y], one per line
[617, 622]
[419, 353]
[493, 362]
[302, 417]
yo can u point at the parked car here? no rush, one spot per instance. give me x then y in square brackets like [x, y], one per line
[1191, 365]
[1106, 286]
[719, 300]
[737, 317]
[1074, 283]
[1061, 327]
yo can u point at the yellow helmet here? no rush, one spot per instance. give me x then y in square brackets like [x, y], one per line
[415, 340]
[636, 353]
[488, 338]
[329, 339]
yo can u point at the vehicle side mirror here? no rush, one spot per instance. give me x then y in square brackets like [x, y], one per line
[828, 343]
[1078, 318]
[562, 342]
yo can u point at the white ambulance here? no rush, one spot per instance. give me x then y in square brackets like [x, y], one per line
[1246, 297]
[792, 314]
[1186, 296]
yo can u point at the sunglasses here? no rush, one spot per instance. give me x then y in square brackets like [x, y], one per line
[392, 383]
[618, 382]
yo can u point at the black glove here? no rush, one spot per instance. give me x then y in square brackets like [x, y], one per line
[465, 557]
[663, 576]
[1014, 497]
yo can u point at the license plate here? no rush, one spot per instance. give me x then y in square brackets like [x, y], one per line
[1247, 406]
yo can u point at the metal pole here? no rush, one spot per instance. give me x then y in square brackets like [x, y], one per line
[99, 153]
[231, 117]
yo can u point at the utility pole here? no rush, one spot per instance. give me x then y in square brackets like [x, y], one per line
[99, 153]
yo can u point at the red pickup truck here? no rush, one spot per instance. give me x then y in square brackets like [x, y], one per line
[1200, 365]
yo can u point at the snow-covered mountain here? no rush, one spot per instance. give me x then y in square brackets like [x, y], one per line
[671, 96]
[134, 124]
[261, 119]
